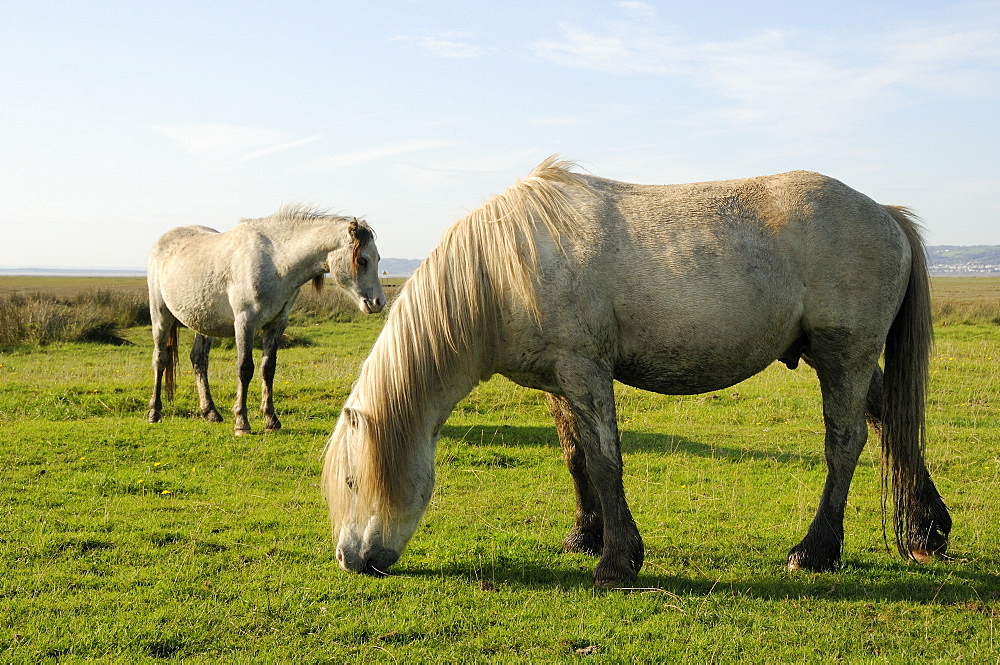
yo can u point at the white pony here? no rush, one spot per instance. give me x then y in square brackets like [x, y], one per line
[566, 282]
[233, 284]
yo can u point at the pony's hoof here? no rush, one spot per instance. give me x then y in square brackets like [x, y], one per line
[615, 576]
[241, 432]
[926, 556]
[626, 582]
[213, 417]
[154, 417]
[581, 542]
[799, 559]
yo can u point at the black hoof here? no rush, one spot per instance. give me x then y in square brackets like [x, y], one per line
[607, 577]
[801, 559]
[584, 542]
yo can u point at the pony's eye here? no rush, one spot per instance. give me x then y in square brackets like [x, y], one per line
[362, 263]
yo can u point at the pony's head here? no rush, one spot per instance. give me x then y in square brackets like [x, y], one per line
[355, 267]
[376, 498]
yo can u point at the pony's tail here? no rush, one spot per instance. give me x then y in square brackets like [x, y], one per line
[169, 368]
[920, 519]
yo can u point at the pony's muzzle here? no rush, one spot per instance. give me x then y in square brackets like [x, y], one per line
[372, 305]
[375, 562]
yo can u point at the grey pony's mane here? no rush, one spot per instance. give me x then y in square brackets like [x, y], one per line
[443, 322]
[295, 212]
[292, 213]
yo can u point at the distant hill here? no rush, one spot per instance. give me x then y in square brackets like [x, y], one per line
[964, 260]
[391, 268]
[398, 267]
[942, 259]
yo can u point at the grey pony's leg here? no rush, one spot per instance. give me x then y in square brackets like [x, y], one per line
[162, 320]
[587, 534]
[928, 523]
[589, 392]
[244, 368]
[199, 360]
[844, 381]
[272, 335]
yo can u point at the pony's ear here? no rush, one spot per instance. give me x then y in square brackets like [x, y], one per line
[353, 417]
[352, 228]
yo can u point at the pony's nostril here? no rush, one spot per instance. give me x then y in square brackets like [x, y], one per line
[340, 556]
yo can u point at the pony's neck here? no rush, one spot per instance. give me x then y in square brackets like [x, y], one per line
[427, 358]
[305, 246]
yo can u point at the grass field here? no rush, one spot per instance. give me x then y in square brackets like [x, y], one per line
[131, 542]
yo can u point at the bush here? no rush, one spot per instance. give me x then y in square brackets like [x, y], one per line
[96, 316]
[100, 315]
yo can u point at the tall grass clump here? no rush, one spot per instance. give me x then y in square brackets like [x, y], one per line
[331, 305]
[958, 312]
[94, 316]
[959, 301]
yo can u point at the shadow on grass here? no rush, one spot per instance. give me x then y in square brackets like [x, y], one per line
[893, 581]
[632, 442]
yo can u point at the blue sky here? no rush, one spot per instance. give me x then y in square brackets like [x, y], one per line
[125, 119]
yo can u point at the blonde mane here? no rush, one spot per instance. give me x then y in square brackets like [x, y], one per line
[444, 321]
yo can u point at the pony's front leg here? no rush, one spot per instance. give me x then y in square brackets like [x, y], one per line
[268, 362]
[199, 361]
[587, 534]
[589, 393]
[244, 366]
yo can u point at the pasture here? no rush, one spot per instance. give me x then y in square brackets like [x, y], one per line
[126, 541]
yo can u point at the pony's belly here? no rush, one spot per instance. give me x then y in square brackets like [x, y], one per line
[209, 319]
[211, 329]
[685, 378]
[693, 368]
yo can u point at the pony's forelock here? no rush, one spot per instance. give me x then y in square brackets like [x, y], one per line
[361, 235]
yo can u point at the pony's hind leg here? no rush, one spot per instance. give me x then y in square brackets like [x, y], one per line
[844, 382]
[587, 534]
[164, 353]
[199, 361]
[928, 523]
[268, 362]
[589, 393]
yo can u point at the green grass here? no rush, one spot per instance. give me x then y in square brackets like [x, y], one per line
[131, 542]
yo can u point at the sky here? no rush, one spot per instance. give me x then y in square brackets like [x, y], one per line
[122, 120]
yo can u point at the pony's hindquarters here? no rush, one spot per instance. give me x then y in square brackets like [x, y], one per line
[854, 387]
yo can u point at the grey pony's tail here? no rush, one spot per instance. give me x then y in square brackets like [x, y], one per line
[169, 368]
[920, 519]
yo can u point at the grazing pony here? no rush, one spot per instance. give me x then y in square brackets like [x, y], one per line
[567, 281]
[235, 283]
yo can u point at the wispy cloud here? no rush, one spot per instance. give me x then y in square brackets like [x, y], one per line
[792, 77]
[642, 10]
[278, 148]
[230, 141]
[450, 45]
[206, 139]
[376, 153]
